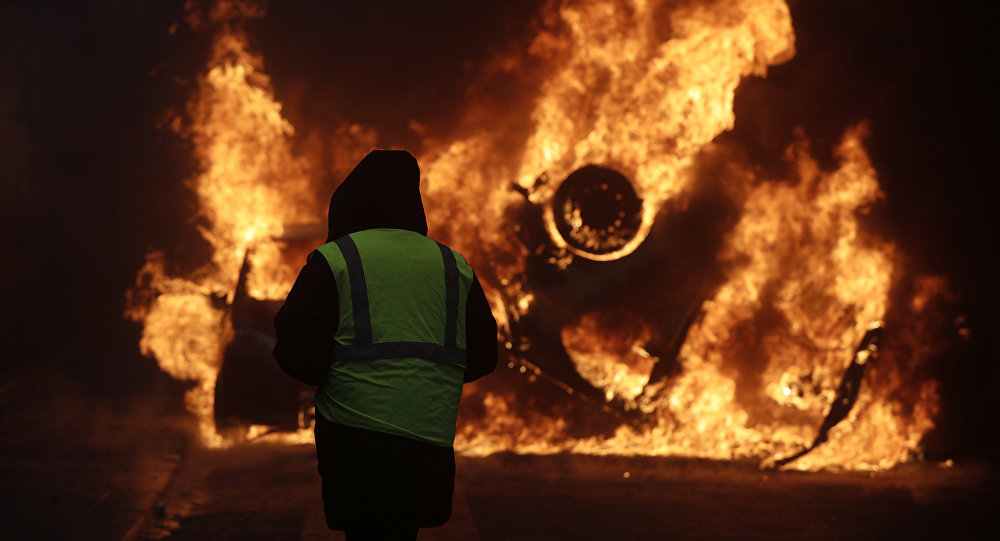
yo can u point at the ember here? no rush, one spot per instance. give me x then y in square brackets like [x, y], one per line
[729, 348]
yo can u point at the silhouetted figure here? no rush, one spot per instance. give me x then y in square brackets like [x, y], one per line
[389, 324]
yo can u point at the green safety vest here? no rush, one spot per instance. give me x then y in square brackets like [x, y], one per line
[399, 359]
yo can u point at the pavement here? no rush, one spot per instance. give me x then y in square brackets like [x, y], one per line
[272, 492]
[73, 468]
[264, 491]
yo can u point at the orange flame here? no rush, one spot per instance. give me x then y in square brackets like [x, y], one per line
[640, 86]
[250, 184]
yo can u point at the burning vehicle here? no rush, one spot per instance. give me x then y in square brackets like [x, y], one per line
[600, 215]
[596, 212]
[658, 294]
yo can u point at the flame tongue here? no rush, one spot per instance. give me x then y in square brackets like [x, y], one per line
[250, 184]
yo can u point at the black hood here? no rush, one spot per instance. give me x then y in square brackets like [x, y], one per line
[383, 190]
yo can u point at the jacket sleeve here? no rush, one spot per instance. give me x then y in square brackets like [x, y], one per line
[306, 324]
[482, 348]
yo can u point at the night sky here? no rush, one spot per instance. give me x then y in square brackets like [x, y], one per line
[91, 180]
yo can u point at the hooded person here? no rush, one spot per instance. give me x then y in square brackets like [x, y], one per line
[389, 324]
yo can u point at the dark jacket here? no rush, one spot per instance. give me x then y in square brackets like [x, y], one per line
[364, 475]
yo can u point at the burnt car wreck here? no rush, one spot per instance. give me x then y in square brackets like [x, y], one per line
[579, 267]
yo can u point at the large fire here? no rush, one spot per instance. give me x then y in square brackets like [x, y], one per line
[642, 88]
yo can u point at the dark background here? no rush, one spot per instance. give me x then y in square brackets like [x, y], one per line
[91, 180]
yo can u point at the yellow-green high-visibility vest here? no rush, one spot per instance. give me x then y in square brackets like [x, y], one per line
[399, 360]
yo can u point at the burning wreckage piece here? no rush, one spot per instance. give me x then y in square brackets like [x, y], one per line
[590, 270]
[250, 388]
[596, 211]
[847, 392]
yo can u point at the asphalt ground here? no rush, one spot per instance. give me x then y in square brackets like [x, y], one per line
[272, 492]
[76, 467]
[71, 468]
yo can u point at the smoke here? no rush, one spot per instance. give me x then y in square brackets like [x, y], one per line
[917, 74]
[14, 165]
[85, 185]
[406, 68]
[22, 198]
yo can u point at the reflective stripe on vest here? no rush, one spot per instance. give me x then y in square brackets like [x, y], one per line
[364, 347]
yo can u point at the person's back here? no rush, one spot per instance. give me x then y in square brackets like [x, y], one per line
[407, 322]
[389, 324]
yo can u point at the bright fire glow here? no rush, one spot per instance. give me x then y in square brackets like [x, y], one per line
[249, 185]
[640, 86]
